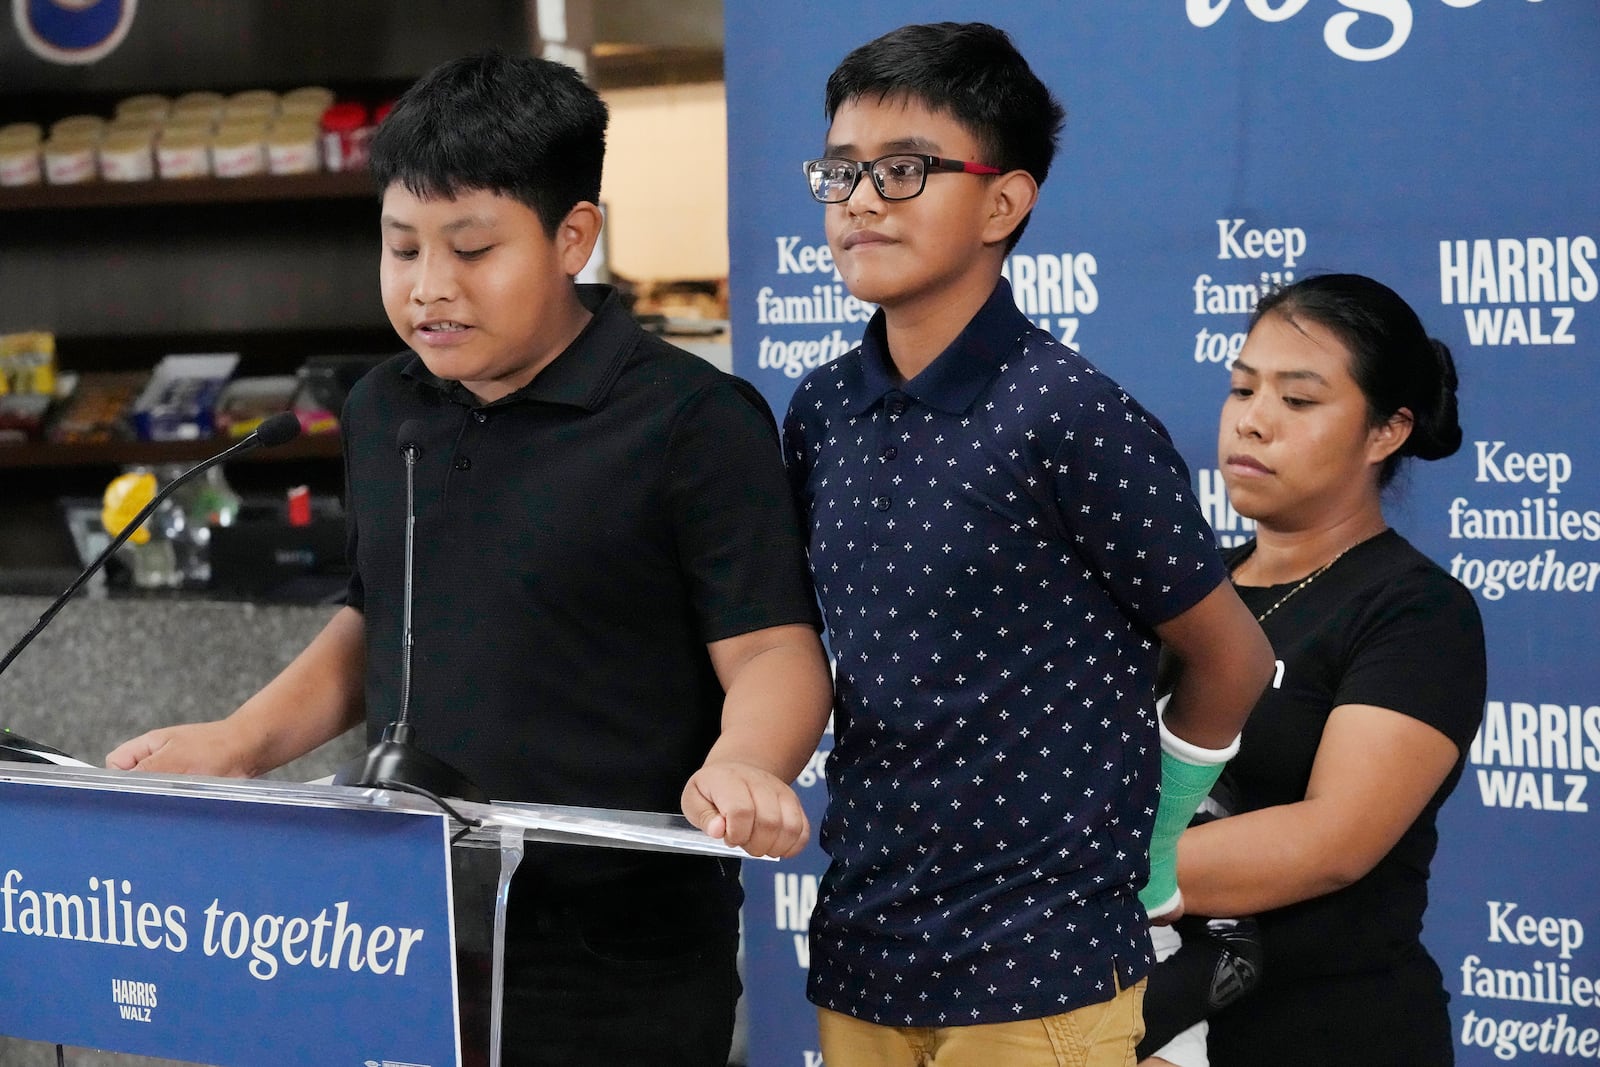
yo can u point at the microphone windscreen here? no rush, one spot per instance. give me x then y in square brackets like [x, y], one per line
[409, 439]
[279, 429]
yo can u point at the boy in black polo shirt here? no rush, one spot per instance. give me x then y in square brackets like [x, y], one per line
[1000, 537]
[610, 595]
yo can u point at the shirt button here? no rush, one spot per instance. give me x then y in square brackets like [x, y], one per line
[481, 416]
[463, 464]
[890, 452]
[881, 503]
[897, 407]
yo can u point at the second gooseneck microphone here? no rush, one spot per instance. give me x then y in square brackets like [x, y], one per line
[410, 430]
[395, 762]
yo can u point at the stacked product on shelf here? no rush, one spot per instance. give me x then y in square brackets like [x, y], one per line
[27, 383]
[186, 397]
[195, 135]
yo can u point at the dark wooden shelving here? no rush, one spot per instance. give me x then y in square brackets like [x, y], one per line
[346, 185]
[149, 453]
[152, 226]
[277, 268]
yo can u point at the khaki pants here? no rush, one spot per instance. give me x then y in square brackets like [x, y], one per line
[1098, 1035]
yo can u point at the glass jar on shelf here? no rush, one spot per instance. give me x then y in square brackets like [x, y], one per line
[185, 520]
[173, 549]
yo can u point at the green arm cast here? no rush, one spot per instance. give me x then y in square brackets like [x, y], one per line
[1187, 774]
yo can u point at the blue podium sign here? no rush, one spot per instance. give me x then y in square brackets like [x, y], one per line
[229, 932]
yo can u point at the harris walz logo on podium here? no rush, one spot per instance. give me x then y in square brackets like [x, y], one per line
[135, 1001]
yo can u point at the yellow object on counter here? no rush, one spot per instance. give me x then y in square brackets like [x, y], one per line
[123, 498]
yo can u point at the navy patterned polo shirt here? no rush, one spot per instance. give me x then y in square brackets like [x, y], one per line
[993, 543]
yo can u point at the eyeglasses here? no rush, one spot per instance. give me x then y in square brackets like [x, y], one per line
[897, 177]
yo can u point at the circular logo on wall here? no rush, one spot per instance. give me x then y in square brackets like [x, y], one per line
[73, 31]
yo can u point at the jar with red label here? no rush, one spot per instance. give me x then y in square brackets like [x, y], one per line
[183, 151]
[69, 159]
[292, 147]
[239, 150]
[128, 155]
[346, 134]
[19, 154]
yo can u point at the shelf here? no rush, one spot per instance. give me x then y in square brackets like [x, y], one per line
[148, 453]
[276, 350]
[345, 185]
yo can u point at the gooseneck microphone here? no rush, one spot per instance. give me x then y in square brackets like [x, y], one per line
[409, 432]
[395, 762]
[279, 429]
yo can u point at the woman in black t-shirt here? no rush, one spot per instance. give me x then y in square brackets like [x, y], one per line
[1379, 688]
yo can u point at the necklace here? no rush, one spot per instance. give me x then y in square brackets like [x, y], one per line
[1307, 580]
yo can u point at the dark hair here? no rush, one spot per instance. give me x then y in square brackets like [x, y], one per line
[1392, 358]
[521, 127]
[970, 71]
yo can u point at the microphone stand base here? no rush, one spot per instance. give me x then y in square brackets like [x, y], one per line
[392, 761]
[15, 748]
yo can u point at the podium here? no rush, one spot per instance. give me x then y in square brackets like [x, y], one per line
[244, 923]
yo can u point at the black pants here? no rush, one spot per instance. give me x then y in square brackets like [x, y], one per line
[1393, 1018]
[645, 977]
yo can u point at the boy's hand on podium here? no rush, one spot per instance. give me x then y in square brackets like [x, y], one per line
[194, 748]
[746, 807]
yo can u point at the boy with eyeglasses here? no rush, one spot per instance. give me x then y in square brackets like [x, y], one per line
[611, 601]
[1001, 539]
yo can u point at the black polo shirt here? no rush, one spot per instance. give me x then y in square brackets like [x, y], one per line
[578, 544]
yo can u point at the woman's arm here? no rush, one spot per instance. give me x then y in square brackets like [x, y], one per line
[1375, 771]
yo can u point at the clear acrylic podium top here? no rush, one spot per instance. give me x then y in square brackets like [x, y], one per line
[487, 842]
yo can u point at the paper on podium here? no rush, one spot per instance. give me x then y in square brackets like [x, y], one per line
[55, 759]
[604, 827]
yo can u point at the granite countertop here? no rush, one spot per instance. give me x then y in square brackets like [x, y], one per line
[105, 670]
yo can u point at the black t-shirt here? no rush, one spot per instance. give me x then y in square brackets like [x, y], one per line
[579, 543]
[1383, 626]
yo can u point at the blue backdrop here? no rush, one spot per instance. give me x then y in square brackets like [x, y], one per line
[1446, 147]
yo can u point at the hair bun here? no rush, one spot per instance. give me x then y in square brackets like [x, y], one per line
[1436, 427]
